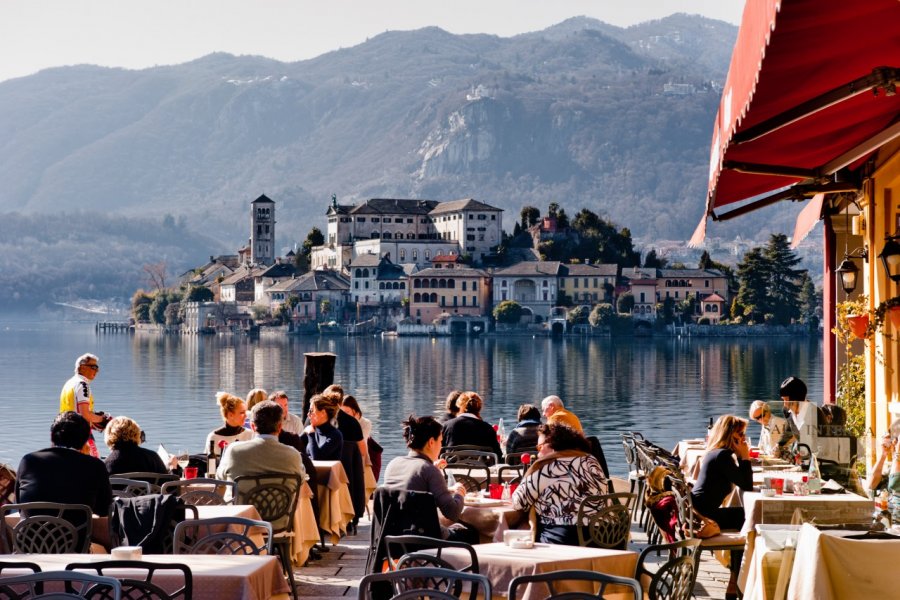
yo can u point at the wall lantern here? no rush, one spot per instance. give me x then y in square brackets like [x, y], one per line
[848, 270]
[890, 258]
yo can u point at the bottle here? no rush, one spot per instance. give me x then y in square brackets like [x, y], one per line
[501, 432]
[506, 493]
[211, 460]
[814, 483]
[709, 429]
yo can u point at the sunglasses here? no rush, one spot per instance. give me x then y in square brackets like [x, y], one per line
[757, 417]
[91, 367]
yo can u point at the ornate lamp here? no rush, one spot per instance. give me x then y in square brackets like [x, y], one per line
[849, 273]
[890, 258]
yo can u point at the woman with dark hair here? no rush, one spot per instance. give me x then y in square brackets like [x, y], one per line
[468, 429]
[451, 405]
[321, 439]
[525, 435]
[726, 464]
[416, 472]
[373, 455]
[564, 473]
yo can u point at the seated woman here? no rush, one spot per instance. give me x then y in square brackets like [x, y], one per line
[879, 481]
[564, 473]
[725, 465]
[234, 413]
[123, 436]
[416, 472]
[468, 429]
[451, 406]
[525, 435]
[321, 439]
[773, 427]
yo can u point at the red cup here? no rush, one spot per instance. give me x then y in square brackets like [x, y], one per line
[512, 488]
[496, 491]
[754, 454]
[190, 472]
[778, 485]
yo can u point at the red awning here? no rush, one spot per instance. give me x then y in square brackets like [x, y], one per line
[799, 102]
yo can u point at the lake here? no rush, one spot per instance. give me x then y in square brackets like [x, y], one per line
[666, 388]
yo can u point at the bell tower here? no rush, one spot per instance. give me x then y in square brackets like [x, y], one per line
[262, 231]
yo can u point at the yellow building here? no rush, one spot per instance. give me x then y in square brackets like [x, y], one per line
[588, 284]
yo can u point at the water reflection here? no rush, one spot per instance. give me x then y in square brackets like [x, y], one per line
[666, 388]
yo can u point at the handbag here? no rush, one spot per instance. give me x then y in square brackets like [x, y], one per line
[704, 527]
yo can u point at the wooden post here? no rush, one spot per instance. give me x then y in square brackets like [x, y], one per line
[318, 375]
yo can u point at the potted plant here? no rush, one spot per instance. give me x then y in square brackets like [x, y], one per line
[853, 318]
[889, 308]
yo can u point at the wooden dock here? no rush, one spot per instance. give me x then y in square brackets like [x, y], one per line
[112, 326]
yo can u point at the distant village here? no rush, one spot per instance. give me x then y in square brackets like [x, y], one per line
[423, 267]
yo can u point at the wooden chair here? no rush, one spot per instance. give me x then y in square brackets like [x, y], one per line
[221, 535]
[275, 496]
[202, 491]
[554, 579]
[425, 582]
[154, 479]
[78, 586]
[674, 579]
[398, 546]
[143, 587]
[128, 488]
[47, 528]
[604, 521]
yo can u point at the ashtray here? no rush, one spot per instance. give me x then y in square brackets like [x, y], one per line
[767, 492]
[518, 538]
[521, 544]
[127, 553]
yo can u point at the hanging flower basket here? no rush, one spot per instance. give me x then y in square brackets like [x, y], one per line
[859, 324]
[894, 314]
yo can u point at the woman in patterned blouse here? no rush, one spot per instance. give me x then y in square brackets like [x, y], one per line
[564, 473]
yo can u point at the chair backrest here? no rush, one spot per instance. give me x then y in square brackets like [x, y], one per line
[5, 592]
[143, 587]
[274, 495]
[515, 458]
[605, 521]
[77, 586]
[202, 491]
[399, 512]
[148, 521]
[425, 582]
[559, 584]
[129, 488]
[516, 472]
[154, 479]
[674, 579]
[399, 545]
[453, 456]
[47, 528]
[684, 504]
[222, 535]
[473, 477]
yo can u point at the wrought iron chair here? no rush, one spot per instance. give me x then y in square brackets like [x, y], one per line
[515, 458]
[202, 491]
[128, 488]
[144, 587]
[222, 535]
[475, 478]
[154, 479]
[398, 546]
[47, 528]
[5, 592]
[275, 496]
[674, 579]
[604, 521]
[558, 583]
[425, 582]
[453, 456]
[516, 474]
[77, 585]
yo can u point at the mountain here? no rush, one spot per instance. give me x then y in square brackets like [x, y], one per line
[579, 113]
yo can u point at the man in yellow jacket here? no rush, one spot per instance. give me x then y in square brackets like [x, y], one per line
[553, 409]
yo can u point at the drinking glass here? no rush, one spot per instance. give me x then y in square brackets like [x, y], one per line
[184, 457]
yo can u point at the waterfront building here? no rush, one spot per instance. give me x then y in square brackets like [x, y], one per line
[643, 284]
[588, 284]
[683, 283]
[240, 286]
[262, 231]
[534, 285]
[462, 291]
[310, 290]
[266, 278]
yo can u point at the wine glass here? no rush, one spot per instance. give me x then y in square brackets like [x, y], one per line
[184, 458]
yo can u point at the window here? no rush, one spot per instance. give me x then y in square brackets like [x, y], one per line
[470, 238]
[387, 219]
[356, 285]
[474, 286]
[493, 217]
[375, 219]
[705, 281]
[415, 255]
[482, 217]
[545, 283]
[642, 297]
[360, 219]
[576, 283]
[471, 217]
[503, 283]
[463, 299]
[463, 286]
[586, 282]
[366, 284]
[503, 295]
[427, 254]
[402, 255]
[409, 220]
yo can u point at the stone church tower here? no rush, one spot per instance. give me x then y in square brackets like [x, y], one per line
[262, 231]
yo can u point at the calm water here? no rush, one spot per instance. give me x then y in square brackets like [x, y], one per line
[665, 388]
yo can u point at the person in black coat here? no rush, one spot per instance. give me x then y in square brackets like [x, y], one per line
[525, 435]
[322, 440]
[62, 473]
[468, 429]
[123, 436]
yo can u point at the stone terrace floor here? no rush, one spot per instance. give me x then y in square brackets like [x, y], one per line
[340, 570]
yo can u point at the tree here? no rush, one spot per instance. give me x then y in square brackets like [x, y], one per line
[625, 303]
[808, 298]
[653, 261]
[199, 293]
[530, 216]
[325, 306]
[140, 306]
[552, 209]
[706, 262]
[753, 271]
[587, 223]
[313, 238]
[783, 289]
[508, 311]
[155, 275]
[577, 315]
[602, 315]
[562, 219]
[173, 314]
[158, 309]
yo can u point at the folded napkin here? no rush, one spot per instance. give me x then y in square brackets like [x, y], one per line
[832, 487]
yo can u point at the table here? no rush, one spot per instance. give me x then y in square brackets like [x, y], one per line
[490, 521]
[830, 567]
[500, 563]
[335, 504]
[691, 453]
[768, 567]
[215, 577]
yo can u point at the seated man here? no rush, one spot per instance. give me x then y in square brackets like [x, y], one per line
[804, 418]
[62, 473]
[552, 407]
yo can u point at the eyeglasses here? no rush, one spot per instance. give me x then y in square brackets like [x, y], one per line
[757, 417]
[91, 367]
[540, 446]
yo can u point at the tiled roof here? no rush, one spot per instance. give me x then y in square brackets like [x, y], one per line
[675, 273]
[538, 268]
[448, 273]
[312, 281]
[465, 204]
[392, 206]
[263, 198]
[601, 270]
[365, 260]
[714, 298]
[242, 273]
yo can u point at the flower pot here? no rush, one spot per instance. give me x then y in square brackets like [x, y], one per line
[894, 314]
[858, 325]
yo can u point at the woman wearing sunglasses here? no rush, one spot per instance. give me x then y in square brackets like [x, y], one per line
[773, 427]
[726, 464]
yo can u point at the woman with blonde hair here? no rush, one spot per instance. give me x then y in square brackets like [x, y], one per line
[234, 413]
[123, 436]
[468, 429]
[773, 427]
[726, 464]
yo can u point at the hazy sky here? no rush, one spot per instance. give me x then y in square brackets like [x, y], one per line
[36, 34]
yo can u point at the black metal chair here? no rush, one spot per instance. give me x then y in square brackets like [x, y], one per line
[516, 472]
[275, 497]
[140, 588]
[5, 592]
[425, 582]
[559, 584]
[128, 488]
[202, 491]
[474, 477]
[47, 528]
[454, 456]
[515, 458]
[399, 545]
[156, 480]
[77, 585]
[222, 535]
[604, 521]
[673, 579]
